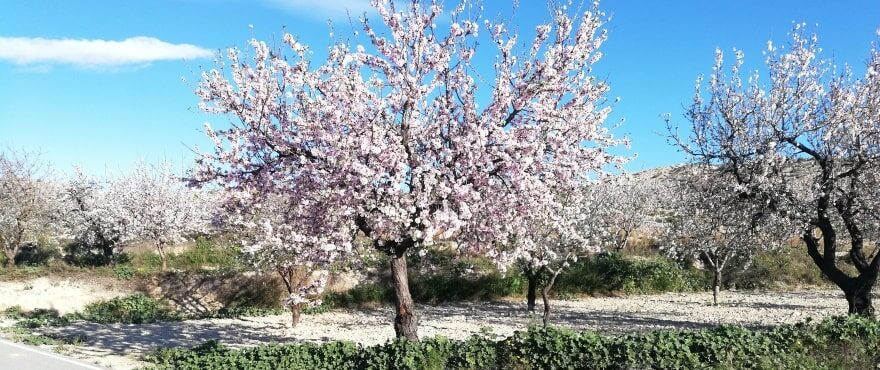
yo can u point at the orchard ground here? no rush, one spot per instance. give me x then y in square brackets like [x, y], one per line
[122, 346]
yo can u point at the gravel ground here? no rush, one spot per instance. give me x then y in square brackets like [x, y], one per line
[63, 295]
[117, 346]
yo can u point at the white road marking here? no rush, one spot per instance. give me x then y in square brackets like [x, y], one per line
[52, 355]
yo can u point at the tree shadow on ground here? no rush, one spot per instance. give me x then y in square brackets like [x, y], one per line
[454, 320]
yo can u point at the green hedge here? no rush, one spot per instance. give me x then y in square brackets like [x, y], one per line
[839, 342]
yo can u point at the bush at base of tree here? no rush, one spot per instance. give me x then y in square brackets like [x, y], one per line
[838, 342]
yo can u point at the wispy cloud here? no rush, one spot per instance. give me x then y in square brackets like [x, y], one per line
[95, 53]
[332, 9]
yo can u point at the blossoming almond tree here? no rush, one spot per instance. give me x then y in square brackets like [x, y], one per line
[623, 205]
[275, 240]
[161, 208]
[707, 222]
[96, 215]
[554, 239]
[807, 124]
[389, 140]
[30, 203]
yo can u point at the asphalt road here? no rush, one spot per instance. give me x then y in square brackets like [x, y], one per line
[23, 357]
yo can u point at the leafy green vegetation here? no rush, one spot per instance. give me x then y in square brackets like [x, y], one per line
[839, 342]
[38, 254]
[23, 335]
[599, 274]
[205, 254]
[611, 272]
[135, 309]
[783, 267]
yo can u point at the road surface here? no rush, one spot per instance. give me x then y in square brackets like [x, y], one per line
[23, 357]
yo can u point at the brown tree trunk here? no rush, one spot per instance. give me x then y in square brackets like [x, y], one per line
[545, 296]
[405, 322]
[295, 314]
[545, 291]
[716, 287]
[10, 258]
[162, 256]
[532, 292]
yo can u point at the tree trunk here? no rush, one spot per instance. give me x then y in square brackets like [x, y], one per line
[405, 323]
[857, 290]
[716, 286]
[858, 296]
[532, 292]
[10, 258]
[162, 256]
[860, 304]
[545, 296]
[108, 250]
[295, 314]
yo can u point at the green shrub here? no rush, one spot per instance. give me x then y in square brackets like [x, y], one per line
[840, 343]
[39, 318]
[437, 288]
[37, 254]
[612, 272]
[134, 309]
[13, 312]
[781, 267]
[363, 294]
[123, 271]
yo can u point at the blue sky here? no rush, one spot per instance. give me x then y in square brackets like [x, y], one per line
[106, 104]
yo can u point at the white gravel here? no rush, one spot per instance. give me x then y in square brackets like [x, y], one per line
[118, 346]
[63, 295]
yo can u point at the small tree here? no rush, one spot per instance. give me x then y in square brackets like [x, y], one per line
[621, 206]
[30, 204]
[274, 240]
[390, 141]
[161, 208]
[96, 215]
[554, 239]
[707, 222]
[803, 143]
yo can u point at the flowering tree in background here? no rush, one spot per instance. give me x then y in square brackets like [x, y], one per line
[274, 239]
[96, 216]
[555, 239]
[161, 209]
[706, 222]
[389, 141]
[623, 205]
[30, 203]
[808, 125]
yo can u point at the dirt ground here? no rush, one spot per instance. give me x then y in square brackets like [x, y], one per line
[119, 346]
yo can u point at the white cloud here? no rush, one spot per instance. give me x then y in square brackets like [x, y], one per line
[94, 53]
[335, 9]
